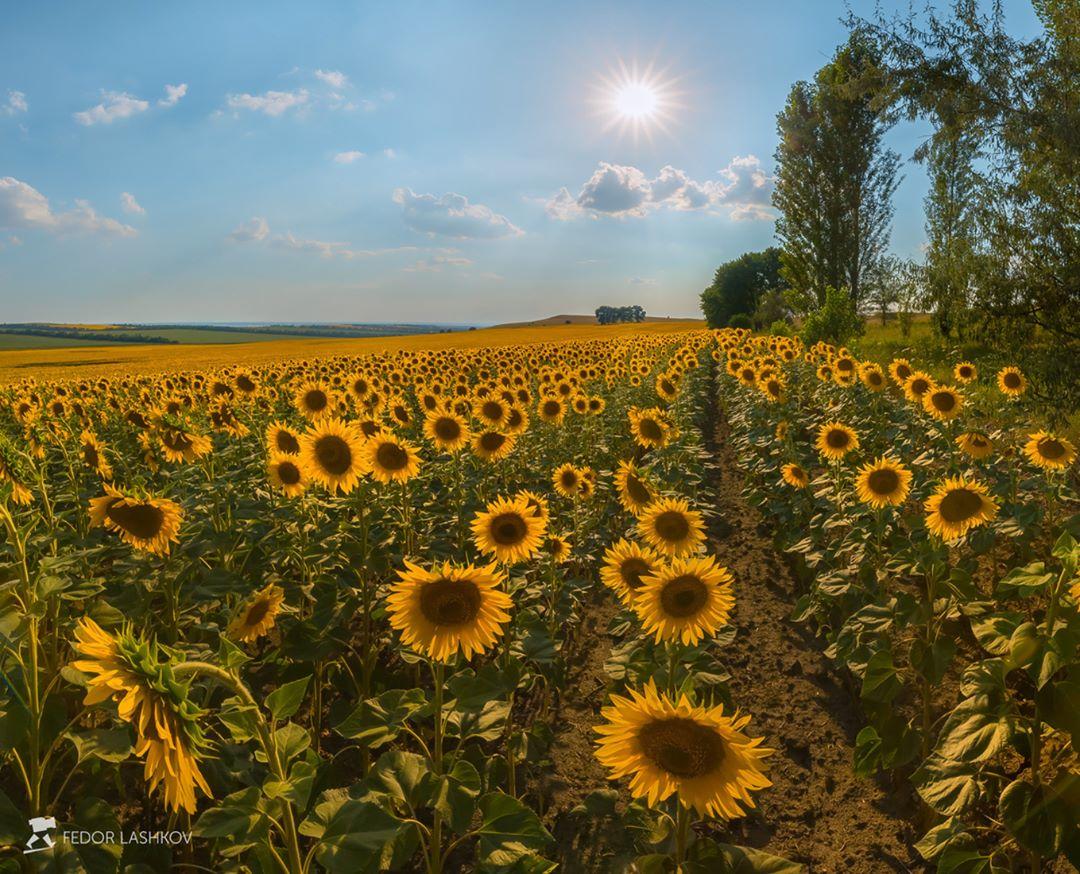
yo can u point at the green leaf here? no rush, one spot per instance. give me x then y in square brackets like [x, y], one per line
[406, 777]
[457, 794]
[230, 655]
[730, 859]
[947, 786]
[377, 721]
[237, 815]
[291, 740]
[935, 841]
[286, 699]
[1040, 823]
[994, 631]
[473, 691]
[978, 728]
[1059, 704]
[107, 744]
[1022, 582]
[296, 787]
[881, 683]
[932, 662]
[506, 822]
[356, 838]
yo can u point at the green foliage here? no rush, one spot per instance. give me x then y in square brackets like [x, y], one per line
[739, 286]
[740, 320]
[835, 321]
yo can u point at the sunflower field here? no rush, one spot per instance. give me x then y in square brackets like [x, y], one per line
[329, 614]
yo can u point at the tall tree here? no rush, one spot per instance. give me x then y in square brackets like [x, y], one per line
[738, 286]
[835, 179]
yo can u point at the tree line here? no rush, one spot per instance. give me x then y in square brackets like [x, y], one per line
[606, 315]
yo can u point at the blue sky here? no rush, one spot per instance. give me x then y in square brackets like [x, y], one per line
[415, 161]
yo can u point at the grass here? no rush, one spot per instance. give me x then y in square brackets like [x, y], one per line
[109, 359]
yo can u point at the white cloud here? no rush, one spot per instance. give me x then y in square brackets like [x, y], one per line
[272, 103]
[16, 102]
[255, 230]
[114, 105]
[641, 280]
[435, 263]
[742, 188]
[23, 207]
[333, 78]
[173, 93]
[389, 153]
[130, 205]
[348, 157]
[452, 216]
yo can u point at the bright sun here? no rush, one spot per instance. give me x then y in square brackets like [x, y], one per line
[636, 101]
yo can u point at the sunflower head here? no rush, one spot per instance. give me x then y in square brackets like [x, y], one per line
[1049, 451]
[145, 523]
[976, 444]
[389, 458]
[493, 445]
[670, 526]
[685, 600]
[883, 483]
[332, 454]
[446, 430]
[943, 403]
[635, 493]
[315, 401]
[626, 564]
[835, 440]
[958, 505]
[258, 614]
[794, 475]
[567, 479]
[965, 372]
[281, 438]
[1011, 381]
[509, 530]
[287, 474]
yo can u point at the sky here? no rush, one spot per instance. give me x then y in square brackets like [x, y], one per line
[462, 162]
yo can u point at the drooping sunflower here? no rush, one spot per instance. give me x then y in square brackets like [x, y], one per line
[493, 445]
[795, 476]
[129, 670]
[567, 480]
[287, 474]
[314, 401]
[835, 440]
[883, 483]
[449, 608]
[943, 403]
[965, 372]
[258, 614]
[1049, 451]
[331, 453]
[537, 503]
[446, 430]
[281, 438]
[958, 505]
[626, 564]
[668, 748]
[669, 525]
[975, 444]
[1011, 382]
[389, 458]
[508, 529]
[557, 547]
[634, 492]
[685, 600]
[92, 452]
[149, 524]
[179, 445]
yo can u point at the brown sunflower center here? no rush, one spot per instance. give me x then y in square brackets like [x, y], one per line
[509, 529]
[682, 747]
[492, 411]
[492, 441]
[315, 400]
[883, 481]
[650, 429]
[632, 570]
[684, 596]
[920, 387]
[286, 442]
[965, 371]
[178, 441]
[245, 384]
[903, 371]
[256, 613]
[450, 602]
[837, 438]
[960, 504]
[637, 490]
[390, 456]
[447, 428]
[943, 401]
[90, 454]
[568, 478]
[1012, 380]
[333, 454]
[139, 520]
[552, 408]
[1051, 448]
[672, 526]
[288, 473]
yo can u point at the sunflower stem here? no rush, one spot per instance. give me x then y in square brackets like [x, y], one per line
[682, 831]
[438, 670]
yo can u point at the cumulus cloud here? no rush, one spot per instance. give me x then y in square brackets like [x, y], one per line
[334, 78]
[114, 105]
[130, 205]
[451, 215]
[272, 103]
[257, 230]
[348, 157]
[173, 93]
[16, 103]
[23, 207]
[742, 188]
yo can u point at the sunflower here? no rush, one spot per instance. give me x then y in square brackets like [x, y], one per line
[314, 401]
[149, 524]
[331, 453]
[883, 483]
[685, 600]
[509, 530]
[281, 438]
[899, 370]
[835, 440]
[975, 444]
[287, 474]
[958, 505]
[557, 547]
[129, 670]
[965, 372]
[537, 504]
[917, 386]
[567, 480]
[650, 428]
[178, 445]
[93, 455]
[446, 430]
[635, 493]
[551, 409]
[795, 476]
[491, 412]
[943, 403]
[258, 615]
[448, 609]
[781, 431]
[696, 753]
[871, 376]
[1049, 451]
[391, 459]
[626, 564]
[493, 445]
[1011, 381]
[669, 525]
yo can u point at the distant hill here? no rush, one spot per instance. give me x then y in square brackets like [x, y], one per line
[566, 319]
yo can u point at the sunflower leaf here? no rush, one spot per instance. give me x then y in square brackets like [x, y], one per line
[286, 699]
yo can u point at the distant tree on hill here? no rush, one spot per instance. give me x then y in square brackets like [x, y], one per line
[606, 315]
